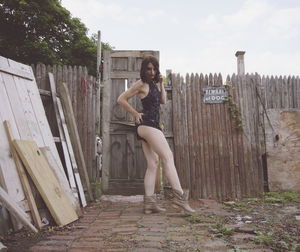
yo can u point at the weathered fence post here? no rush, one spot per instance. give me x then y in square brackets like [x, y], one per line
[240, 62]
[106, 110]
[166, 185]
[98, 104]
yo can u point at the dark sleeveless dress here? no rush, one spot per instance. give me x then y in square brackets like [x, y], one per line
[151, 109]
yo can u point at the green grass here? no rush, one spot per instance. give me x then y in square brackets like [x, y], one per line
[241, 205]
[297, 248]
[252, 200]
[194, 219]
[222, 230]
[291, 196]
[264, 238]
[247, 204]
[169, 238]
[236, 250]
[202, 218]
[96, 188]
[281, 197]
[273, 200]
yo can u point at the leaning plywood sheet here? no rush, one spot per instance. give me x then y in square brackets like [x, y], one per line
[10, 109]
[46, 182]
[21, 105]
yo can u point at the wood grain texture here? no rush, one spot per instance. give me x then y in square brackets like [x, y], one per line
[71, 154]
[10, 109]
[175, 122]
[46, 182]
[15, 210]
[122, 152]
[63, 138]
[24, 180]
[9, 174]
[224, 155]
[74, 136]
[106, 119]
[23, 72]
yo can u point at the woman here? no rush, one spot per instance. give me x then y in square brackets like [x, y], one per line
[152, 93]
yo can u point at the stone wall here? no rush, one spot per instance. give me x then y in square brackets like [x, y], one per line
[283, 149]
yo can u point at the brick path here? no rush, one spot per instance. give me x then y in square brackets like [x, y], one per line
[122, 226]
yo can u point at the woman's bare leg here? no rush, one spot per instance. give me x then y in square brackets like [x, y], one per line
[150, 205]
[152, 165]
[158, 143]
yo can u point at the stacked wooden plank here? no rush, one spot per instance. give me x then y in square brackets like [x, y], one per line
[29, 157]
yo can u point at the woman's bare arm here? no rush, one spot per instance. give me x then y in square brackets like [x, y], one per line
[129, 93]
[163, 94]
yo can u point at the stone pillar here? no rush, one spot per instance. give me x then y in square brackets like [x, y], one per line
[240, 62]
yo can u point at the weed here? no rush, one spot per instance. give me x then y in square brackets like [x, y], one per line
[236, 250]
[281, 197]
[169, 238]
[282, 244]
[96, 187]
[264, 238]
[252, 200]
[134, 237]
[234, 107]
[287, 237]
[247, 204]
[119, 238]
[271, 194]
[194, 219]
[222, 230]
[273, 200]
[297, 248]
[226, 207]
[291, 196]
[242, 206]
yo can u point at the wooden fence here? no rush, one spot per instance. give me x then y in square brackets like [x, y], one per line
[83, 92]
[219, 149]
[281, 92]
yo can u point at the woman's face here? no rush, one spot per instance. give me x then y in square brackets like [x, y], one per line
[151, 71]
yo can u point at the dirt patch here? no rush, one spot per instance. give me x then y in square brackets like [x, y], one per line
[271, 222]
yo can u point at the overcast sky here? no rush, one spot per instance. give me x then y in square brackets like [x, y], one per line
[201, 36]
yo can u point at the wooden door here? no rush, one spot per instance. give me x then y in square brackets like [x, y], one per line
[124, 164]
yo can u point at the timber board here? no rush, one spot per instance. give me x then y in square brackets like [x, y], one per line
[46, 182]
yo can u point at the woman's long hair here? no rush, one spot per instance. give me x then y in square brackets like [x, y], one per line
[143, 72]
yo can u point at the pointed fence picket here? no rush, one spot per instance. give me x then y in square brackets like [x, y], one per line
[219, 148]
[82, 89]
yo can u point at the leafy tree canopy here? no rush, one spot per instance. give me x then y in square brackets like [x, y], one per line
[42, 31]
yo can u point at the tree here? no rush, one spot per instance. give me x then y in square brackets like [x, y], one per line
[42, 31]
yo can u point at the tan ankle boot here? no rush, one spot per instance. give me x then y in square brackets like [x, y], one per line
[181, 200]
[150, 205]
